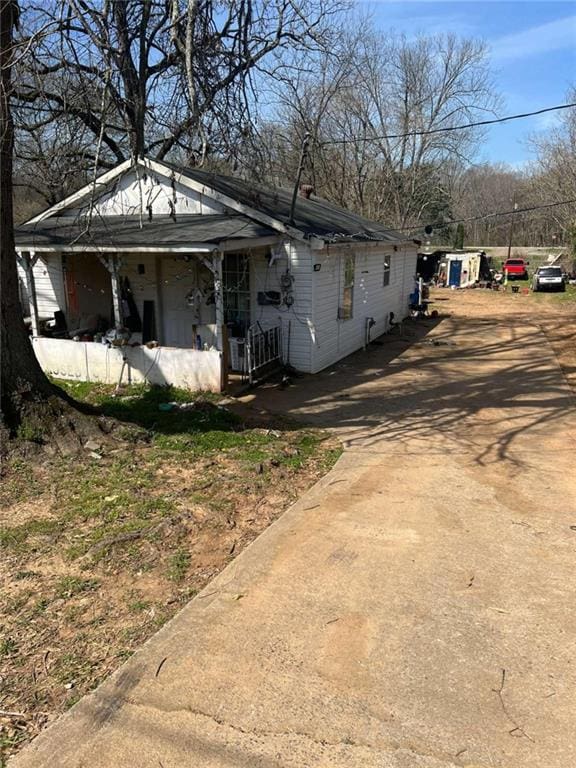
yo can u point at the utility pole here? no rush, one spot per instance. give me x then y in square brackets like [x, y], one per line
[514, 206]
[303, 154]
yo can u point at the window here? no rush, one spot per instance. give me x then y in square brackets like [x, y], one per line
[236, 283]
[348, 288]
[387, 260]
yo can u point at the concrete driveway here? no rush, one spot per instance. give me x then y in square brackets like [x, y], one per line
[415, 609]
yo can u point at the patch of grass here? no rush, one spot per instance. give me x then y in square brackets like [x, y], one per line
[202, 477]
[556, 297]
[20, 575]
[17, 536]
[178, 565]
[329, 458]
[9, 742]
[18, 483]
[140, 404]
[30, 432]
[139, 606]
[563, 297]
[8, 646]
[69, 586]
[40, 606]
[72, 668]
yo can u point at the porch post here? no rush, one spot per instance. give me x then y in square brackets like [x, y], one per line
[160, 327]
[27, 260]
[218, 297]
[221, 330]
[112, 264]
[116, 291]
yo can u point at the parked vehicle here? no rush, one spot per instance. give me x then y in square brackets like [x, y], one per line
[517, 269]
[551, 278]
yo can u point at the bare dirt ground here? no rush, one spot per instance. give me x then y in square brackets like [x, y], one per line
[99, 551]
[414, 608]
[553, 313]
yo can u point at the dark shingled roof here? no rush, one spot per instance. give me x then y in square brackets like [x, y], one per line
[314, 216]
[125, 231]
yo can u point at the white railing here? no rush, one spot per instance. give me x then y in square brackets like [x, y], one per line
[263, 351]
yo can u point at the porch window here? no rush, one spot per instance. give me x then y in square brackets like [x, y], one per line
[387, 262]
[236, 284]
[347, 305]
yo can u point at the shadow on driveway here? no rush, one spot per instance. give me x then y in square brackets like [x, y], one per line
[478, 385]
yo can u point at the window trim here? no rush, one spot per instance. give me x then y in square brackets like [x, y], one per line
[346, 309]
[387, 270]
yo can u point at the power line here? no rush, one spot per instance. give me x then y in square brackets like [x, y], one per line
[448, 128]
[441, 225]
[494, 214]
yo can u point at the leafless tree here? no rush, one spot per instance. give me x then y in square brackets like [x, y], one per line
[154, 77]
[390, 86]
[554, 172]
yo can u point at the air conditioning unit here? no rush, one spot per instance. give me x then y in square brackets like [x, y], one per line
[237, 354]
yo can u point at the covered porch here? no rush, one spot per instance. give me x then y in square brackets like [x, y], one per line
[164, 312]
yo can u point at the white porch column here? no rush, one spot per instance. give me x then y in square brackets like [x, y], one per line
[218, 297]
[27, 261]
[113, 264]
[221, 330]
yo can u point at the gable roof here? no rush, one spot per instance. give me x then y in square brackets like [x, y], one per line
[314, 218]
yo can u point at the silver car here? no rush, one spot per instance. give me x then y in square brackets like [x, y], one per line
[548, 278]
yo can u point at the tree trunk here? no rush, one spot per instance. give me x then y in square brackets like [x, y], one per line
[30, 406]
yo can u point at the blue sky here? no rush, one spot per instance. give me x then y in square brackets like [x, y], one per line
[533, 55]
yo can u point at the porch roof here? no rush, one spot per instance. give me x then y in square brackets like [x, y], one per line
[130, 232]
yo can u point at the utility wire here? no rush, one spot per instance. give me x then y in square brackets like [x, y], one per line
[441, 225]
[447, 129]
[494, 214]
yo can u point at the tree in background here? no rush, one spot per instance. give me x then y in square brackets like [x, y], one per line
[553, 174]
[357, 98]
[459, 235]
[165, 78]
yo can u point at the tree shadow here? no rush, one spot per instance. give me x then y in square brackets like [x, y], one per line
[481, 386]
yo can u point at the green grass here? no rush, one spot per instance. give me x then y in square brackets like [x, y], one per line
[18, 535]
[140, 405]
[70, 586]
[8, 646]
[556, 297]
[164, 498]
[178, 565]
[115, 504]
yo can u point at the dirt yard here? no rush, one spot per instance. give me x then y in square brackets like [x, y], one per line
[100, 551]
[554, 313]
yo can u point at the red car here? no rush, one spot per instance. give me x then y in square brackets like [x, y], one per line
[517, 269]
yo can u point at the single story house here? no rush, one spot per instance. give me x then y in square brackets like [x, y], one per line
[176, 275]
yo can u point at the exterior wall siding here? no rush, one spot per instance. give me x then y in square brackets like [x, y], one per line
[298, 335]
[49, 281]
[133, 193]
[177, 277]
[337, 338]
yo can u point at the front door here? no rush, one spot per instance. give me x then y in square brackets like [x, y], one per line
[455, 273]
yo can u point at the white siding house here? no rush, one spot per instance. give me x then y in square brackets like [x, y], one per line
[184, 256]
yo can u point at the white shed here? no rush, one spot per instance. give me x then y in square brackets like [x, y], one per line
[462, 268]
[201, 262]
